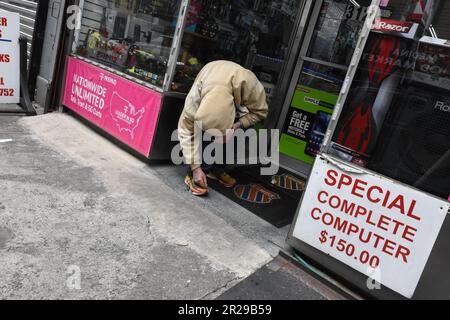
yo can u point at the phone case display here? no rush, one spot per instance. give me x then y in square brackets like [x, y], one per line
[310, 112]
[386, 58]
[252, 33]
[337, 30]
[317, 135]
[133, 36]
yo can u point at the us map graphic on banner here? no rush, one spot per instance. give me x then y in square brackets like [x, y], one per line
[122, 108]
[125, 115]
[9, 57]
[378, 227]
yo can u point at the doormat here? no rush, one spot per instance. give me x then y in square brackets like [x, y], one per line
[262, 196]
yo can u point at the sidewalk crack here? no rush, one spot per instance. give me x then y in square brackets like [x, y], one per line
[213, 294]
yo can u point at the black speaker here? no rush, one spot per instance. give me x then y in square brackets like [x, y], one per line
[414, 146]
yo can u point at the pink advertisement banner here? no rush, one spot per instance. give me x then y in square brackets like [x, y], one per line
[122, 108]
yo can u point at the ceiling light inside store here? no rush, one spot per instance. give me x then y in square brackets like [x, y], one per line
[433, 32]
[356, 4]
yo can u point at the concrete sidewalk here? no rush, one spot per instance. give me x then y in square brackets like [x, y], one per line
[82, 219]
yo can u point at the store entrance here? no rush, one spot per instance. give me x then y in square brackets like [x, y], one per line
[264, 37]
[326, 42]
[325, 55]
[320, 64]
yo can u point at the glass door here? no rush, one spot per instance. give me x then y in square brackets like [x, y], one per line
[319, 75]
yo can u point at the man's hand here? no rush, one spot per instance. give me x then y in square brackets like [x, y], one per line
[200, 178]
[238, 126]
[230, 133]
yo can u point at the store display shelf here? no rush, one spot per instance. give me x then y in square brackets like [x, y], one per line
[198, 35]
[270, 63]
[325, 63]
[117, 72]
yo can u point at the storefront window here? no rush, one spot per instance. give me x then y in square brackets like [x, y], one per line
[255, 34]
[340, 21]
[131, 36]
[324, 61]
[310, 111]
[337, 31]
[396, 118]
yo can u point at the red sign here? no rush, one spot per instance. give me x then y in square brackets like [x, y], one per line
[392, 26]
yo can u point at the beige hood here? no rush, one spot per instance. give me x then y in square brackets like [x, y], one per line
[221, 88]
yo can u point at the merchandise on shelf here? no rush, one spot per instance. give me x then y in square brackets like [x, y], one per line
[133, 37]
[254, 34]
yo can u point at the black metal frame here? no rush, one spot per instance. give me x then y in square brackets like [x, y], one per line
[65, 48]
[25, 101]
[37, 44]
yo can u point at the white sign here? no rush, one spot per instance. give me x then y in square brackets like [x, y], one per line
[9, 57]
[372, 224]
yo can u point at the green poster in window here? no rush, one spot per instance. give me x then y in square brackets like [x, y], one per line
[306, 123]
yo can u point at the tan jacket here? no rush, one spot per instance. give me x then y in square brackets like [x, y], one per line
[220, 91]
